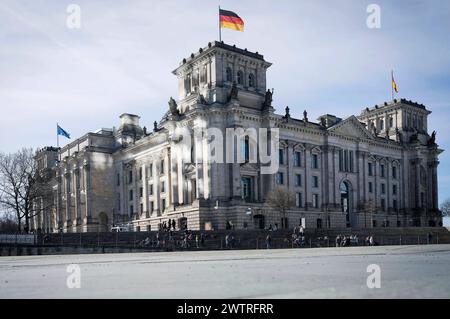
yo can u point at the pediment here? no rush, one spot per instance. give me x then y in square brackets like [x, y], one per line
[249, 167]
[351, 127]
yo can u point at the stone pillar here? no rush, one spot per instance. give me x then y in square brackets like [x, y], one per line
[87, 189]
[156, 181]
[68, 198]
[76, 173]
[144, 189]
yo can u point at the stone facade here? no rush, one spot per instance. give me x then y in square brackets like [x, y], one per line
[378, 169]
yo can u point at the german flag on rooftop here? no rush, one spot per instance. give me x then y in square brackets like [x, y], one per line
[230, 20]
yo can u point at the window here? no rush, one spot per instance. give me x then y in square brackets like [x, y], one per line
[152, 207]
[187, 84]
[229, 75]
[131, 209]
[381, 125]
[203, 74]
[245, 149]
[383, 188]
[150, 170]
[280, 178]
[140, 173]
[130, 177]
[240, 78]
[118, 179]
[130, 194]
[350, 161]
[163, 205]
[315, 181]
[142, 208]
[141, 192]
[391, 122]
[281, 156]
[394, 189]
[162, 167]
[382, 170]
[163, 187]
[394, 172]
[151, 189]
[297, 159]
[370, 168]
[315, 202]
[298, 180]
[383, 204]
[314, 161]
[251, 80]
[246, 187]
[370, 187]
[298, 200]
[394, 204]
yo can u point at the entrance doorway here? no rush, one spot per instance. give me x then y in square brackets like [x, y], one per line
[344, 188]
[259, 221]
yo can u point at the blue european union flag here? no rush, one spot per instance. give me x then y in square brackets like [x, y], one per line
[62, 132]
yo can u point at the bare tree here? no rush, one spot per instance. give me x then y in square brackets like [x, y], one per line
[22, 186]
[281, 199]
[8, 223]
[445, 208]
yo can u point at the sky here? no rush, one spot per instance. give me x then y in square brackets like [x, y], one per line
[325, 60]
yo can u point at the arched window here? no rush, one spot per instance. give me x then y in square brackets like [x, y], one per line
[251, 80]
[240, 78]
[203, 74]
[229, 75]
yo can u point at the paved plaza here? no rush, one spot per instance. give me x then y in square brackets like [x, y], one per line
[406, 272]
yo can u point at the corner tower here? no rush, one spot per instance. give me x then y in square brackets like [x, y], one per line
[210, 73]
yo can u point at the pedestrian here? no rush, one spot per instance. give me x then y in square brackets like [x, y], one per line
[371, 241]
[268, 241]
[227, 239]
[430, 238]
[302, 230]
[338, 240]
[202, 239]
[197, 240]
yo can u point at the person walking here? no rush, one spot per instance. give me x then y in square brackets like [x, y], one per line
[268, 241]
[197, 240]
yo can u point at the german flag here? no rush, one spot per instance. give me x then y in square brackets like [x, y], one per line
[394, 84]
[230, 20]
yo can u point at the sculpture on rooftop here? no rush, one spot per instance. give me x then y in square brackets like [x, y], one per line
[268, 99]
[432, 140]
[173, 106]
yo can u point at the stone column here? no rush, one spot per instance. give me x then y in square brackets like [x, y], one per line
[76, 173]
[156, 181]
[145, 189]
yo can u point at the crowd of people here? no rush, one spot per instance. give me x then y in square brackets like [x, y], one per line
[167, 237]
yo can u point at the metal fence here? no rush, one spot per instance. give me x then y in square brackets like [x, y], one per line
[219, 241]
[18, 239]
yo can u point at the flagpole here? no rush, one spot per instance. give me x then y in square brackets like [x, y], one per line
[392, 84]
[220, 29]
[57, 142]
